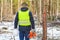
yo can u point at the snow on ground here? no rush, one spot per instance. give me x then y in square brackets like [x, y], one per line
[11, 34]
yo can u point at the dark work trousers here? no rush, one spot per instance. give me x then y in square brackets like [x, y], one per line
[23, 34]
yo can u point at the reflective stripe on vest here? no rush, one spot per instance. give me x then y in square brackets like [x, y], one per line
[24, 19]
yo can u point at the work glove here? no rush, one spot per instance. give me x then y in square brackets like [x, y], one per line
[32, 30]
[15, 31]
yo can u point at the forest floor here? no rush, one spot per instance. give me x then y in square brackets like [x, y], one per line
[53, 32]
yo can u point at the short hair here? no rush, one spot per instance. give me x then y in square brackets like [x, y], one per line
[24, 4]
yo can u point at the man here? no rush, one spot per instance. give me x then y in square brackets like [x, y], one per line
[25, 21]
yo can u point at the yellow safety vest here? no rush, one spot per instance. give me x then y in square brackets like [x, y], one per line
[24, 19]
